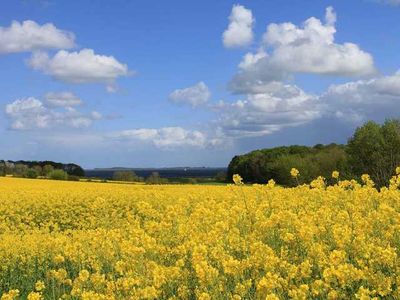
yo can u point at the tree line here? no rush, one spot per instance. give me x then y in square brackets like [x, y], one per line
[130, 176]
[373, 149]
[47, 169]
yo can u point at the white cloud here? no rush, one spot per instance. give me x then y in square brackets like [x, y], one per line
[31, 113]
[29, 36]
[289, 49]
[240, 29]
[278, 105]
[195, 95]
[62, 99]
[80, 67]
[265, 113]
[364, 99]
[166, 137]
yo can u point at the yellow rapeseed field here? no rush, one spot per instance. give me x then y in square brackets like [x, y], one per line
[81, 240]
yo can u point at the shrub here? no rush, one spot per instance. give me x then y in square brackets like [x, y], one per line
[125, 176]
[155, 178]
[58, 175]
[31, 173]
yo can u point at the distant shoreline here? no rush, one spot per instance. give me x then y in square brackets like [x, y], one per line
[173, 172]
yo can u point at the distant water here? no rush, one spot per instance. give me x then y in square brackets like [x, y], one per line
[165, 173]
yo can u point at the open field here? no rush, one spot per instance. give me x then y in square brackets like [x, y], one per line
[81, 240]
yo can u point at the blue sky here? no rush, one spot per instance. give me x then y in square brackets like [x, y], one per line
[190, 83]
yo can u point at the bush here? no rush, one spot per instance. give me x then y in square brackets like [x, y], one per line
[58, 175]
[31, 173]
[125, 176]
[155, 178]
[47, 169]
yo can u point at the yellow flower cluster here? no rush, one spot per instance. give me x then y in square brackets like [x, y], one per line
[81, 240]
[294, 172]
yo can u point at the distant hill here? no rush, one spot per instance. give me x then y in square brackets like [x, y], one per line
[70, 168]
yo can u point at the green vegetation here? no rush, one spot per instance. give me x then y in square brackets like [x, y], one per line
[374, 149]
[58, 175]
[42, 168]
[155, 178]
[262, 165]
[129, 176]
[31, 173]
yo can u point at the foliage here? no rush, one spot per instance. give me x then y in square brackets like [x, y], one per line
[126, 176]
[3, 169]
[375, 149]
[47, 169]
[20, 170]
[31, 173]
[155, 178]
[58, 175]
[262, 165]
[119, 241]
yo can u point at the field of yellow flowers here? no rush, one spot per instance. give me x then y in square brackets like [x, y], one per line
[81, 240]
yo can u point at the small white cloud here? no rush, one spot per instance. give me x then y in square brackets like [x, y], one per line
[195, 95]
[62, 99]
[240, 29]
[80, 67]
[311, 48]
[31, 113]
[29, 36]
[166, 137]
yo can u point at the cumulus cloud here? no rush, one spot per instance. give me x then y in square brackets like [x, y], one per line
[31, 113]
[62, 99]
[288, 49]
[82, 66]
[240, 29]
[195, 95]
[29, 36]
[265, 113]
[361, 100]
[166, 137]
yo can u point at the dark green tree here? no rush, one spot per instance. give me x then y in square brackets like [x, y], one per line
[375, 150]
[31, 173]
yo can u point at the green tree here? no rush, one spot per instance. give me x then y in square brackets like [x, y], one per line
[125, 176]
[20, 170]
[47, 169]
[3, 169]
[38, 169]
[58, 175]
[31, 173]
[155, 178]
[262, 165]
[375, 150]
